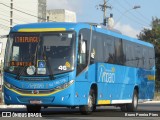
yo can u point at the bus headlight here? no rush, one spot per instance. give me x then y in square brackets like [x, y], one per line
[65, 85]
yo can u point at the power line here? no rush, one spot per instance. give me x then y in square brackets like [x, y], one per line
[129, 18]
[28, 10]
[135, 20]
[142, 16]
[16, 17]
[5, 20]
[4, 27]
[8, 20]
[144, 22]
[24, 12]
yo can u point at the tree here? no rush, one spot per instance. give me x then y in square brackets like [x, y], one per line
[153, 36]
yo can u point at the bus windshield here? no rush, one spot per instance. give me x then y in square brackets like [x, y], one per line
[37, 54]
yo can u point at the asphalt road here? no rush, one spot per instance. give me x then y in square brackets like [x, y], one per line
[102, 113]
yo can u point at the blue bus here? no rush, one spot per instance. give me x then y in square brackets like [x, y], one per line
[76, 65]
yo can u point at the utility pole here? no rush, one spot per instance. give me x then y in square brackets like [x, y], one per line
[11, 14]
[104, 7]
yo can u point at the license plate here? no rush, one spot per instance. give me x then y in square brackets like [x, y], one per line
[35, 102]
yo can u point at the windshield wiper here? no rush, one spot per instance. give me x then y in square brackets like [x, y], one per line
[24, 68]
[51, 75]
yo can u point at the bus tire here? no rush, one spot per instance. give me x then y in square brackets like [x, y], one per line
[91, 106]
[132, 107]
[33, 108]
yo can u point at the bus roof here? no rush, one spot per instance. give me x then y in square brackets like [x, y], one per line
[55, 26]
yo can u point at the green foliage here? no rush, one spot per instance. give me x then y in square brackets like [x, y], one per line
[153, 36]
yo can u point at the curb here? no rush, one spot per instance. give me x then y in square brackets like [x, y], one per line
[23, 106]
[152, 102]
[12, 106]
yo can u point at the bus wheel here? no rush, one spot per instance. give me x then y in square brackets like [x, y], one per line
[33, 108]
[133, 106]
[91, 106]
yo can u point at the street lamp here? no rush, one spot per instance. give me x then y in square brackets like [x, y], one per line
[135, 7]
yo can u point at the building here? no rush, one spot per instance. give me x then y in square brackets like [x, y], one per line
[14, 12]
[61, 15]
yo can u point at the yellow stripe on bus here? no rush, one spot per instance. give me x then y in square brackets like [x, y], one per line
[102, 102]
[32, 94]
[39, 95]
[41, 29]
[151, 77]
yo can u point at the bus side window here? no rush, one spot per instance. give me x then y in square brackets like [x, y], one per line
[124, 52]
[99, 48]
[93, 48]
[106, 52]
[141, 58]
[146, 59]
[137, 56]
[82, 58]
[130, 55]
[119, 51]
[151, 58]
[111, 50]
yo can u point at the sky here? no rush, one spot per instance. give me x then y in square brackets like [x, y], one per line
[127, 20]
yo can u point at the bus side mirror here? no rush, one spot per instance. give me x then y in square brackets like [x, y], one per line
[80, 37]
[1, 44]
[83, 47]
[82, 44]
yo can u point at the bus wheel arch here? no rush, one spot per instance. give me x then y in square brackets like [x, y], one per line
[133, 106]
[92, 98]
[137, 89]
[95, 90]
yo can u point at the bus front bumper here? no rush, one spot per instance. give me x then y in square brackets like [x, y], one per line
[63, 97]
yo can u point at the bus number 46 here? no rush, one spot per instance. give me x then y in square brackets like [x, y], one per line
[62, 67]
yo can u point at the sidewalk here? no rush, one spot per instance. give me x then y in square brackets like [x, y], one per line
[152, 102]
[12, 106]
[23, 106]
